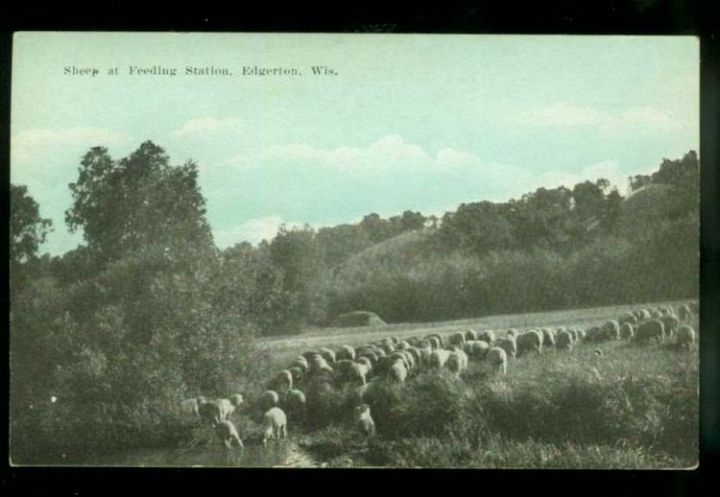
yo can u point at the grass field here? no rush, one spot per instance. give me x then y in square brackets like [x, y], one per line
[634, 407]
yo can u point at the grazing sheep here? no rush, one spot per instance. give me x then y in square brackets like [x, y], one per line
[593, 334]
[345, 352]
[471, 334]
[610, 330]
[358, 373]
[327, 354]
[283, 382]
[649, 330]
[434, 343]
[628, 317]
[398, 372]
[498, 359]
[295, 403]
[487, 336]
[226, 408]
[416, 354]
[364, 421]
[210, 411]
[309, 355]
[573, 334]
[509, 345]
[438, 358]
[684, 313]
[301, 363]
[403, 345]
[627, 331]
[440, 342]
[457, 339]
[646, 314]
[530, 341]
[512, 332]
[685, 336]
[655, 313]
[318, 363]
[275, 425]
[268, 399]
[227, 433]
[671, 324]
[548, 337]
[456, 362]
[297, 374]
[190, 407]
[563, 340]
[370, 356]
[477, 349]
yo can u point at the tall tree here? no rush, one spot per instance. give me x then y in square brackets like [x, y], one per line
[138, 201]
[27, 229]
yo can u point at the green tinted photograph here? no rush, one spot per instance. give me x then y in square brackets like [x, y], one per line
[354, 251]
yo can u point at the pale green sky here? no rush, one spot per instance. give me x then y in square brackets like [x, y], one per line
[422, 122]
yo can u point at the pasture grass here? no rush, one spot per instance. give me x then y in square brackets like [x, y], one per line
[634, 406]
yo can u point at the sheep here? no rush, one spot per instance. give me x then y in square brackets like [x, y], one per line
[282, 382]
[684, 313]
[370, 356]
[398, 372]
[648, 330]
[530, 341]
[439, 357]
[439, 338]
[190, 406]
[210, 411]
[476, 349]
[457, 361]
[573, 334]
[610, 331]
[512, 332]
[297, 374]
[457, 339]
[358, 373]
[671, 324]
[563, 340]
[295, 403]
[301, 363]
[628, 317]
[497, 357]
[275, 425]
[685, 336]
[342, 368]
[227, 433]
[580, 334]
[268, 399]
[345, 352]
[471, 334]
[486, 336]
[627, 331]
[364, 421]
[327, 354]
[509, 345]
[416, 354]
[592, 334]
[309, 355]
[318, 363]
[403, 345]
[548, 337]
[646, 314]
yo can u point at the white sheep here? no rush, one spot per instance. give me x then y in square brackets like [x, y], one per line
[398, 372]
[530, 341]
[508, 344]
[487, 336]
[439, 357]
[227, 433]
[268, 399]
[685, 336]
[497, 357]
[275, 425]
[364, 421]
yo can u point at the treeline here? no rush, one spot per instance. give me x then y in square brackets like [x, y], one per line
[148, 311]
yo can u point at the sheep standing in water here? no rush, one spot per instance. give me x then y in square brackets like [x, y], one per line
[364, 421]
[275, 425]
[227, 433]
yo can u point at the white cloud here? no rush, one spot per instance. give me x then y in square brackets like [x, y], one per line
[566, 115]
[29, 144]
[205, 126]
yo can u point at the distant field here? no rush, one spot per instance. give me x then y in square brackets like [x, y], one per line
[284, 348]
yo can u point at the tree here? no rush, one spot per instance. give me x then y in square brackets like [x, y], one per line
[141, 200]
[27, 229]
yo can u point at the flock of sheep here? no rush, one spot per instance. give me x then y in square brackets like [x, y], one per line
[315, 373]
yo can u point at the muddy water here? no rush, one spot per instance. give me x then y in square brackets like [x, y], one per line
[282, 454]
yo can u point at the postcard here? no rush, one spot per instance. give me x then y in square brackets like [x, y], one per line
[354, 250]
